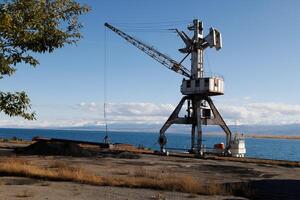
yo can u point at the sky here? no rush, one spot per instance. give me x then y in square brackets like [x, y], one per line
[259, 61]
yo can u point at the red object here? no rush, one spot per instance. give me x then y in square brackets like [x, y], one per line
[219, 146]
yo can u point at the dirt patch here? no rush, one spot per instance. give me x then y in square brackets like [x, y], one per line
[243, 171]
[54, 149]
[123, 155]
[283, 163]
[18, 181]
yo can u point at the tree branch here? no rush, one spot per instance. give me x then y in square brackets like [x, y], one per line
[16, 104]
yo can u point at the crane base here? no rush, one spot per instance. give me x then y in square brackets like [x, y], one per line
[200, 111]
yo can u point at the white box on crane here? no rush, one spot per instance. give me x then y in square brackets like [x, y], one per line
[210, 86]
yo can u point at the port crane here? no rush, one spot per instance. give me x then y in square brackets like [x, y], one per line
[195, 88]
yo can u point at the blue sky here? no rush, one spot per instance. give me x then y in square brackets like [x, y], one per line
[259, 60]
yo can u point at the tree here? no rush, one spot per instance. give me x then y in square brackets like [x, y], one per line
[28, 27]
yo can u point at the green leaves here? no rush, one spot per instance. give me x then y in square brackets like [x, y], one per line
[16, 105]
[37, 26]
[33, 26]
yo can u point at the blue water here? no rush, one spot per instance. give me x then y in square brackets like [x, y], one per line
[260, 148]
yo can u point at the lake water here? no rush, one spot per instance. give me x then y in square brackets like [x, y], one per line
[260, 148]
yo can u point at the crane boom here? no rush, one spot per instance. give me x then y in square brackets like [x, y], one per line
[160, 57]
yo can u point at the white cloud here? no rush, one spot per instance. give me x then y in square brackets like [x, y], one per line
[148, 113]
[262, 113]
[132, 109]
[91, 114]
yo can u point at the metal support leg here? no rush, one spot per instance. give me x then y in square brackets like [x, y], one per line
[173, 117]
[199, 130]
[193, 138]
[219, 121]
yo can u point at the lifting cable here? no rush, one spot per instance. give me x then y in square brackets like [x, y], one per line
[106, 139]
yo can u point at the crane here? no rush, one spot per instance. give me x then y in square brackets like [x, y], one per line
[196, 88]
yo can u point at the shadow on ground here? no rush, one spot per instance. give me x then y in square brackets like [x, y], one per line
[267, 189]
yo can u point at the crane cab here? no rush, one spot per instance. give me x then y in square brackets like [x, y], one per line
[210, 86]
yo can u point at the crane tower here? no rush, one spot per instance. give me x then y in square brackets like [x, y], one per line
[195, 88]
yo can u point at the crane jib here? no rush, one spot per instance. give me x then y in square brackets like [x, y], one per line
[152, 52]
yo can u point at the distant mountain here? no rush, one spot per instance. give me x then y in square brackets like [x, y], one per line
[289, 129]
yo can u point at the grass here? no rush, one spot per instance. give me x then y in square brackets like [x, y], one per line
[165, 182]
[129, 148]
[18, 167]
[142, 178]
[15, 140]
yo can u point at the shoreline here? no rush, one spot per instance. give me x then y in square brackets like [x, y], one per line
[288, 137]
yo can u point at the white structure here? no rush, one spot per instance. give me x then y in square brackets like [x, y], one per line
[208, 85]
[238, 147]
